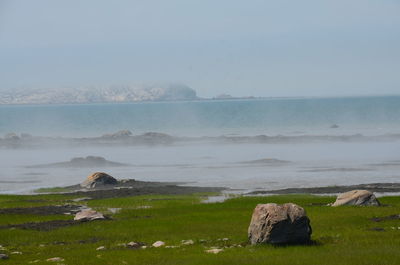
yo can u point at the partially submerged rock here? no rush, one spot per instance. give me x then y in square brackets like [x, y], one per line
[279, 224]
[357, 197]
[88, 215]
[117, 135]
[82, 162]
[98, 179]
[11, 136]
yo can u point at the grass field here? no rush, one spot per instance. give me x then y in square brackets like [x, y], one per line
[342, 235]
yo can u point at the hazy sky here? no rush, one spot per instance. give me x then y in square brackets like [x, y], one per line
[256, 47]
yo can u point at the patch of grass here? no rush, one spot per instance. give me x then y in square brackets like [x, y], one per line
[52, 190]
[344, 235]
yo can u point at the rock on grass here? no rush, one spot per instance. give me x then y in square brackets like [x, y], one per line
[279, 224]
[357, 197]
[158, 244]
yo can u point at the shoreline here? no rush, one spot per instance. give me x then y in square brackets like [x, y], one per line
[373, 187]
[131, 187]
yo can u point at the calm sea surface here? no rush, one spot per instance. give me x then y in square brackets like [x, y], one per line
[368, 115]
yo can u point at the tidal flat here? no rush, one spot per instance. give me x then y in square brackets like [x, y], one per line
[341, 235]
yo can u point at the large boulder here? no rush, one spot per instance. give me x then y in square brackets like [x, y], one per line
[357, 197]
[98, 179]
[279, 224]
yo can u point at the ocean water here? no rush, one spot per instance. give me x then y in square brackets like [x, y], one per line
[368, 115]
[234, 165]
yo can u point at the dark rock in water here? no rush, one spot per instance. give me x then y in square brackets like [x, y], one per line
[334, 126]
[89, 161]
[11, 136]
[98, 179]
[117, 135]
[26, 136]
[155, 138]
[357, 197]
[266, 161]
[279, 224]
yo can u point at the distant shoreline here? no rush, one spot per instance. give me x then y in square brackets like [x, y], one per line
[199, 99]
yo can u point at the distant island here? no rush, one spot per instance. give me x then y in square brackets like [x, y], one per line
[106, 94]
[97, 94]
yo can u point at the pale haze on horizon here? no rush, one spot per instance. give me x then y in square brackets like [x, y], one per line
[243, 48]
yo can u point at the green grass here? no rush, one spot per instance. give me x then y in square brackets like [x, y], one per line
[342, 234]
[52, 190]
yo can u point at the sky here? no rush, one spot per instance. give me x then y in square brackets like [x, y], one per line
[243, 48]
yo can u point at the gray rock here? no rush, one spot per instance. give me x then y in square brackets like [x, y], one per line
[134, 245]
[119, 134]
[88, 215]
[357, 197]
[98, 179]
[279, 224]
[158, 244]
[3, 256]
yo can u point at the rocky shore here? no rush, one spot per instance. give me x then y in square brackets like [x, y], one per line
[374, 187]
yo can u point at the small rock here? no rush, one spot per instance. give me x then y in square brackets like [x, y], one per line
[158, 244]
[334, 126]
[34, 261]
[55, 259]
[171, 246]
[101, 248]
[26, 135]
[3, 256]
[143, 247]
[225, 239]
[133, 245]
[119, 134]
[122, 245]
[42, 245]
[11, 136]
[187, 242]
[214, 250]
[16, 253]
[357, 197]
[88, 215]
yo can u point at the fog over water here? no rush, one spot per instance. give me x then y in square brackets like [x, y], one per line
[300, 146]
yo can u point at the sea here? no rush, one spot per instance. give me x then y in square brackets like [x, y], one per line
[343, 141]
